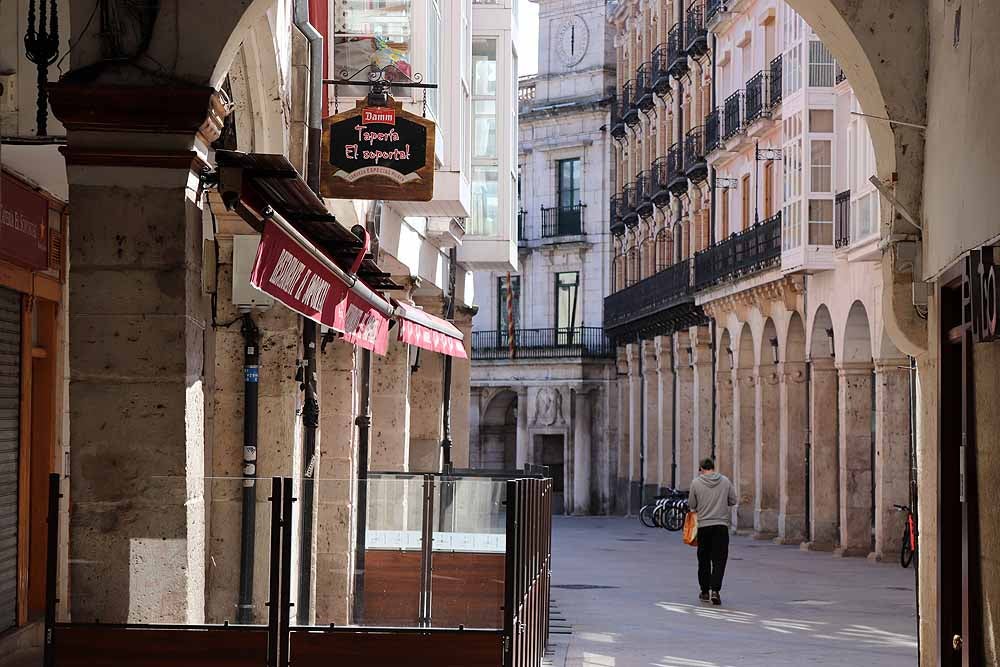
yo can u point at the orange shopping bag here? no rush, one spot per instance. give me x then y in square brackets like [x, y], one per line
[691, 529]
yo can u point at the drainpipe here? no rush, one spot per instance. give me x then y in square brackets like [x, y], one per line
[310, 411]
[446, 441]
[642, 424]
[364, 423]
[673, 418]
[251, 373]
[913, 481]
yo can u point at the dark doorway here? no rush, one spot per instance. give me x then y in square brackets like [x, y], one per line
[553, 457]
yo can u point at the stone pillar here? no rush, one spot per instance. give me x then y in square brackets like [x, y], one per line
[855, 459]
[725, 454]
[582, 428]
[635, 427]
[684, 415]
[427, 403]
[766, 451]
[792, 416]
[701, 389]
[824, 487]
[651, 415]
[523, 447]
[137, 323]
[892, 454]
[624, 416]
[665, 410]
[745, 435]
[390, 435]
[461, 387]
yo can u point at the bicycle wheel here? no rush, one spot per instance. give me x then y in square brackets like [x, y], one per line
[675, 519]
[905, 552]
[658, 515]
[646, 516]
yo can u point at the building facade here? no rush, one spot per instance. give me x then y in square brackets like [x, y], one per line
[540, 396]
[790, 380]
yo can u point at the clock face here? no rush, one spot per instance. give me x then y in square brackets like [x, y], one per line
[571, 40]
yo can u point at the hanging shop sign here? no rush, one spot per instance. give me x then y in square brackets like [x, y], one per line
[24, 224]
[298, 279]
[981, 278]
[378, 152]
[422, 329]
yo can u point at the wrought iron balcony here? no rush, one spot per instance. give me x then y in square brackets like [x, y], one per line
[697, 37]
[661, 178]
[839, 76]
[562, 221]
[754, 249]
[661, 75]
[522, 219]
[616, 212]
[732, 115]
[676, 179]
[753, 108]
[644, 86]
[695, 167]
[630, 112]
[575, 342]
[774, 83]
[657, 305]
[618, 128]
[630, 216]
[842, 219]
[676, 56]
[712, 10]
[713, 131]
[644, 194]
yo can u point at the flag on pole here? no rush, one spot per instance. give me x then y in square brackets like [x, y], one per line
[510, 317]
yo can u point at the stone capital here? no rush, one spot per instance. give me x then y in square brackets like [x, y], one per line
[888, 366]
[792, 372]
[848, 368]
[766, 375]
[823, 365]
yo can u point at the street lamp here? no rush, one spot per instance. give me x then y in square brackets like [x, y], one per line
[774, 350]
[829, 335]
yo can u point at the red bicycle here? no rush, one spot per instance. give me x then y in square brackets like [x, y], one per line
[909, 546]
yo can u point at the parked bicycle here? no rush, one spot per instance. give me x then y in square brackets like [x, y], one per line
[666, 511]
[909, 545]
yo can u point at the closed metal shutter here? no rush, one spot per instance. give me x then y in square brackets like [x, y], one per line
[10, 404]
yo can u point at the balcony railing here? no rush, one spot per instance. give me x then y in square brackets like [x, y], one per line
[661, 73]
[676, 57]
[842, 219]
[649, 299]
[644, 86]
[630, 112]
[676, 180]
[562, 221]
[712, 9]
[618, 129]
[713, 131]
[697, 37]
[753, 108]
[695, 167]
[615, 214]
[661, 181]
[644, 194]
[630, 215]
[732, 115]
[774, 82]
[839, 76]
[574, 342]
[752, 250]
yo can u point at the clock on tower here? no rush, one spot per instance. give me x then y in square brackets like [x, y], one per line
[571, 40]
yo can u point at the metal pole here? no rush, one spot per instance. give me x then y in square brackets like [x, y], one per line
[642, 427]
[310, 422]
[364, 423]
[446, 441]
[673, 418]
[274, 584]
[756, 181]
[248, 526]
[51, 569]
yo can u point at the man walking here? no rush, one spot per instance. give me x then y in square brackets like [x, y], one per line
[711, 496]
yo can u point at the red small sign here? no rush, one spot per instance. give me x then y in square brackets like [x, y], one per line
[24, 225]
[378, 115]
[293, 276]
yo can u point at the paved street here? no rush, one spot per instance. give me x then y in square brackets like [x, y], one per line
[629, 595]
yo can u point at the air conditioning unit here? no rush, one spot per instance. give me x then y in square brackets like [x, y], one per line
[244, 253]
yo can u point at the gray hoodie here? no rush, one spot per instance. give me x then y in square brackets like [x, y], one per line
[711, 496]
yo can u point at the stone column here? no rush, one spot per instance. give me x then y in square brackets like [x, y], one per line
[766, 452]
[461, 399]
[624, 416]
[137, 335]
[684, 414]
[745, 436]
[701, 389]
[855, 459]
[824, 487]
[792, 416]
[651, 415]
[523, 447]
[582, 427]
[390, 435]
[426, 400]
[892, 454]
[665, 410]
[724, 452]
[635, 427]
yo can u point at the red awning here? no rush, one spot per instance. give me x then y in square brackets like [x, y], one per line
[296, 273]
[429, 332]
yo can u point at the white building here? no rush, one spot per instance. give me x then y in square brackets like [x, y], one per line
[550, 404]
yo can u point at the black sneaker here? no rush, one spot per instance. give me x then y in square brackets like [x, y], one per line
[716, 599]
[703, 596]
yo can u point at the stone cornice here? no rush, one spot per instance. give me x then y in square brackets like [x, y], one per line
[786, 290]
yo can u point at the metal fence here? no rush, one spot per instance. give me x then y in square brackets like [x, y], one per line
[571, 342]
[754, 249]
[658, 292]
[562, 221]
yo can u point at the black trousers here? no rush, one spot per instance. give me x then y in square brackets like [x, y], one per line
[713, 552]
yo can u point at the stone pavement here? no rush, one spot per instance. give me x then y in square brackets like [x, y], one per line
[629, 597]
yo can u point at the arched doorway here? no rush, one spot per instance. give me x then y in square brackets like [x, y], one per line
[794, 437]
[498, 432]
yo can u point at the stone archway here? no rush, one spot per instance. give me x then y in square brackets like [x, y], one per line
[824, 457]
[744, 428]
[725, 451]
[793, 471]
[767, 446]
[498, 432]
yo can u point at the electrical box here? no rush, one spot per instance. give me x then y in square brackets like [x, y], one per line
[8, 92]
[244, 253]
